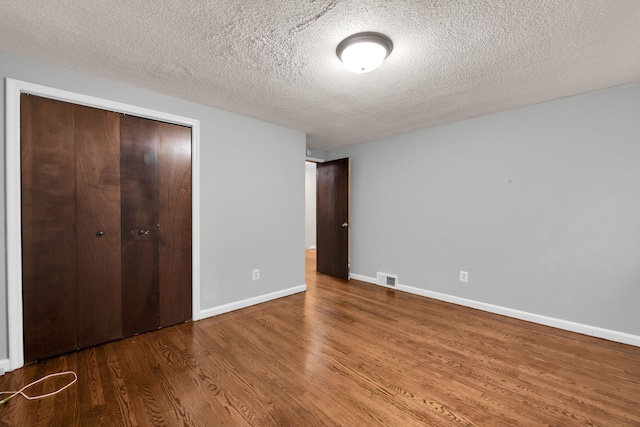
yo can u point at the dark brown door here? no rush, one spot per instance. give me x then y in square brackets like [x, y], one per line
[70, 226]
[332, 218]
[106, 225]
[175, 223]
[140, 254]
[97, 173]
[48, 227]
[156, 224]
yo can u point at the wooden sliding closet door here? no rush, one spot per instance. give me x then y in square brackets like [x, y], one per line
[97, 137]
[48, 227]
[106, 225]
[140, 236]
[175, 223]
[70, 226]
[156, 224]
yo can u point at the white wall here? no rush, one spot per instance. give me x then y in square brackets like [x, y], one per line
[310, 205]
[252, 189]
[541, 205]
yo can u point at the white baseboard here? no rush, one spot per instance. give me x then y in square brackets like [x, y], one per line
[5, 366]
[225, 308]
[594, 331]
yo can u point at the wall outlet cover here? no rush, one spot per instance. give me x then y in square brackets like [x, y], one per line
[464, 276]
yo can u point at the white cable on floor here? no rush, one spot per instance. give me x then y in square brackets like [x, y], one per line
[26, 396]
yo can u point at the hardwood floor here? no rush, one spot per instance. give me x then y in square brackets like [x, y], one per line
[350, 354]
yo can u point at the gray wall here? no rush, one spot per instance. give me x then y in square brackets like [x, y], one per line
[310, 205]
[541, 205]
[252, 188]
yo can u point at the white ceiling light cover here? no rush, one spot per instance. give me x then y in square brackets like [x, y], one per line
[364, 52]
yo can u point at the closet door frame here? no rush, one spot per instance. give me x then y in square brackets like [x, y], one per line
[13, 90]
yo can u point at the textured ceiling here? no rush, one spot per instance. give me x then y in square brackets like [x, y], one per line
[275, 60]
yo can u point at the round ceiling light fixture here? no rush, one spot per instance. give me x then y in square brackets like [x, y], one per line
[363, 52]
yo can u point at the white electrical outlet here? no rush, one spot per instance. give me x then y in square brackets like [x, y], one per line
[256, 274]
[464, 276]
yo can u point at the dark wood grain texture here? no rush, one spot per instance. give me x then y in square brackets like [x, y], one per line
[96, 186]
[48, 227]
[97, 142]
[332, 210]
[342, 354]
[175, 223]
[139, 146]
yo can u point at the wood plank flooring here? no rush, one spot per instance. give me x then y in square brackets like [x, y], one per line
[341, 354]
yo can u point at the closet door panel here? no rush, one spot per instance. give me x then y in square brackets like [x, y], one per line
[48, 227]
[97, 136]
[175, 223]
[139, 210]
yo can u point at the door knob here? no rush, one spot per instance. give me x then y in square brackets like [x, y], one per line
[100, 234]
[142, 232]
[345, 224]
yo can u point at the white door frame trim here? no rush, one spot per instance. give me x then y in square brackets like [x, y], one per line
[13, 89]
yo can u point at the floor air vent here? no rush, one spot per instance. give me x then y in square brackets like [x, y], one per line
[385, 279]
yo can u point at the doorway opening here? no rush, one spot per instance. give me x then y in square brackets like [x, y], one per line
[310, 206]
[331, 219]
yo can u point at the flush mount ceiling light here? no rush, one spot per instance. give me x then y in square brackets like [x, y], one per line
[363, 52]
